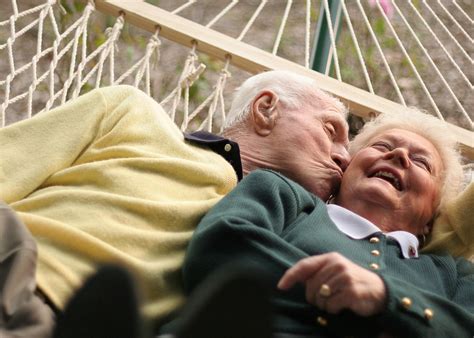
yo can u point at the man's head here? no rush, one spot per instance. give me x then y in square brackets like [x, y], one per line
[283, 122]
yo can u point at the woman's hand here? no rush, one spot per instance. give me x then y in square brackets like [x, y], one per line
[334, 283]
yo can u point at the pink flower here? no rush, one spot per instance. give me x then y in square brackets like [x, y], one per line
[386, 6]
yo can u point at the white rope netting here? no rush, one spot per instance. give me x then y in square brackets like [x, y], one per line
[96, 67]
[414, 53]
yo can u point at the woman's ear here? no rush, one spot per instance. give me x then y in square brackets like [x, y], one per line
[427, 228]
[264, 112]
[425, 231]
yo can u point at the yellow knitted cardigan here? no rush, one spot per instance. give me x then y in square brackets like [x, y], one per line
[453, 230]
[108, 177]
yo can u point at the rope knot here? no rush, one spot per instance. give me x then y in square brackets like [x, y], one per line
[225, 73]
[109, 31]
[192, 57]
[192, 76]
[90, 5]
[155, 41]
[154, 44]
[112, 33]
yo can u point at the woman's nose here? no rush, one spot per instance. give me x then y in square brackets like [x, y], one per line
[400, 155]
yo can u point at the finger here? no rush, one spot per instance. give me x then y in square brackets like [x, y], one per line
[313, 295]
[352, 294]
[320, 300]
[338, 298]
[307, 267]
[337, 302]
[324, 276]
[301, 271]
[313, 289]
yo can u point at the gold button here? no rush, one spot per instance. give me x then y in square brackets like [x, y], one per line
[406, 302]
[374, 240]
[429, 314]
[374, 266]
[228, 147]
[375, 253]
[322, 321]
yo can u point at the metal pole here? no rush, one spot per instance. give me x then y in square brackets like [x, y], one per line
[321, 56]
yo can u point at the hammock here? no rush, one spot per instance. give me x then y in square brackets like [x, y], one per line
[376, 56]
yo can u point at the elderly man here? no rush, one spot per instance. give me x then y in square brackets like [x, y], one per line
[108, 178]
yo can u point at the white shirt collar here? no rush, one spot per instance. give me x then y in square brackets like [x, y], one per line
[358, 227]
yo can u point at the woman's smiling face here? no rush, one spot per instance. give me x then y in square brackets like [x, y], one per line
[394, 181]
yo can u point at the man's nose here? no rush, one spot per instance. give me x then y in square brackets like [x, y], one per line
[340, 156]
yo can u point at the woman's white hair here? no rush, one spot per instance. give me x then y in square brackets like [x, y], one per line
[431, 129]
[293, 91]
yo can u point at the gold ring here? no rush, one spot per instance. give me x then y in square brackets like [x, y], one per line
[325, 290]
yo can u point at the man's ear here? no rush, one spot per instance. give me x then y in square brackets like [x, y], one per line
[264, 113]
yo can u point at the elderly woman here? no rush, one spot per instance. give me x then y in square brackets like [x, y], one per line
[351, 268]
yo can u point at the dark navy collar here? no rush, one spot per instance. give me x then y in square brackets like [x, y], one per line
[228, 149]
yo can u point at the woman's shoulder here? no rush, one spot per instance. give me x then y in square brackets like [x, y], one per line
[448, 262]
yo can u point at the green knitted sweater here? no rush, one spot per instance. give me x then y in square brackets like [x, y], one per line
[271, 222]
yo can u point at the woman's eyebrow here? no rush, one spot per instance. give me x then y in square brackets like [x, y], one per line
[415, 149]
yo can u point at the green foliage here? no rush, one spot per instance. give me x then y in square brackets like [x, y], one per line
[416, 3]
[87, 87]
[210, 62]
[99, 40]
[379, 26]
[389, 42]
[153, 2]
[129, 53]
[109, 21]
[314, 14]
[72, 7]
[79, 5]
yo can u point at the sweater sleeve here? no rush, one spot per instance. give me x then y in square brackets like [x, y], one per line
[429, 314]
[246, 226]
[33, 149]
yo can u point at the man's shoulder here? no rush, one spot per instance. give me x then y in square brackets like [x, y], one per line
[268, 177]
[227, 149]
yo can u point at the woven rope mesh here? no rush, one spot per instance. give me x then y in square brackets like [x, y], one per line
[411, 52]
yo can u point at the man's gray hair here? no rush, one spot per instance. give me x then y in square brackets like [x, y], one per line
[292, 89]
[431, 129]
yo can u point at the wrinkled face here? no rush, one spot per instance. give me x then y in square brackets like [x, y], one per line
[312, 148]
[394, 181]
